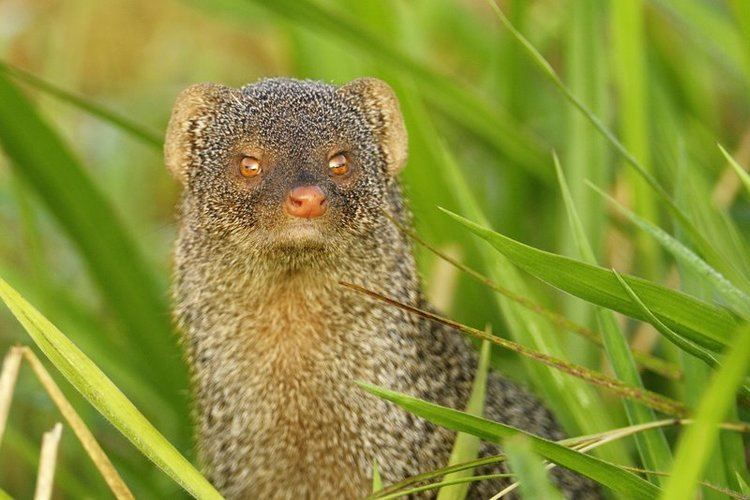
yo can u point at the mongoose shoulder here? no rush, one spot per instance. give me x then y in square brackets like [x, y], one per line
[284, 186]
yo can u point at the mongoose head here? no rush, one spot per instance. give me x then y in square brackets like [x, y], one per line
[286, 164]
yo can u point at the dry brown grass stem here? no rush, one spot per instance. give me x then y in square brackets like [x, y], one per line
[45, 478]
[84, 435]
[11, 366]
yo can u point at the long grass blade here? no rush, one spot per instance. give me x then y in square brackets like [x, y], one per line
[114, 260]
[741, 172]
[466, 446]
[94, 385]
[603, 472]
[695, 445]
[699, 321]
[136, 130]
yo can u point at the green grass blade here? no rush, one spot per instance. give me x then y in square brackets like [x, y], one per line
[377, 482]
[699, 321]
[532, 477]
[603, 472]
[631, 77]
[652, 445]
[466, 446]
[684, 344]
[115, 263]
[697, 441]
[143, 134]
[94, 385]
[741, 172]
[737, 299]
[495, 127]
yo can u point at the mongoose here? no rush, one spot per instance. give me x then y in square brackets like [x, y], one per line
[285, 183]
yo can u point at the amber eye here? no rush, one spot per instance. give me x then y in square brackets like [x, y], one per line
[339, 164]
[249, 166]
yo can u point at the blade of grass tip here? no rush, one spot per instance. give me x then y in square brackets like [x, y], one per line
[94, 385]
[745, 488]
[4, 495]
[466, 446]
[112, 256]
[705, 246]
[741, 172]
[701, 322]
[697, 442]
[533, 479]
[377, 482]
[737, 299]
[8, 378]
[656, 365]
[603, 472]
[143, 134]
[653, 447]
[649, 398]
[84, 435]
[684, 344]
[494, 126]
[45, 478]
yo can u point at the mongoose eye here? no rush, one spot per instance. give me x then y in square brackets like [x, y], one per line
[249, 166]
[338, 164]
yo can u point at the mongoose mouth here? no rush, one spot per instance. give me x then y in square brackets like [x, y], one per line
[299, 232]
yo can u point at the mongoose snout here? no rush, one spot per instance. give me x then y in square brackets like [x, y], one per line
[306, 201]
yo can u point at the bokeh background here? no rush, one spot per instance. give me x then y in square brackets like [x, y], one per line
[670, 77]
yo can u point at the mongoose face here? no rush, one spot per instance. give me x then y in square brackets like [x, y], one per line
[286, 164]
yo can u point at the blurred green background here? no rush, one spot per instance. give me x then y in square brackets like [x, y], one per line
[670, 77]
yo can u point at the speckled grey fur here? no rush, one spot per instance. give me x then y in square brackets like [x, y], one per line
[274, 343]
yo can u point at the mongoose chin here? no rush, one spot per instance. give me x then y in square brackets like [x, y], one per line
[285, 183]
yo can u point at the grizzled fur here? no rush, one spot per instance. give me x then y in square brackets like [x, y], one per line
[274, 343]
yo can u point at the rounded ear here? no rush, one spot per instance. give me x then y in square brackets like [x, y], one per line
[380, 105]
[190, 115]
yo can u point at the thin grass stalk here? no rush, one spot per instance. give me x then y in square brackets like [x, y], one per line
[651, 399]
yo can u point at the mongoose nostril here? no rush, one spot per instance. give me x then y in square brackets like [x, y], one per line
[306, 201]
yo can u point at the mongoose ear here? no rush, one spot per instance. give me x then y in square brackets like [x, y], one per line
[380, 105]
[190, 115]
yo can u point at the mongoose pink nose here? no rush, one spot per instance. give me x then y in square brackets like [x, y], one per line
[306, 201]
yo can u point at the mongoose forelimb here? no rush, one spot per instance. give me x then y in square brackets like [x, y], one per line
[284, 187]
